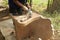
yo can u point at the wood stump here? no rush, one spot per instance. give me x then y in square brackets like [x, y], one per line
[34, 28]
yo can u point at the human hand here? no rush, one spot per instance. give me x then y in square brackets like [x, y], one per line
[25, 8]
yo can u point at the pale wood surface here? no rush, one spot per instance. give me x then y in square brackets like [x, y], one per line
[34, 28]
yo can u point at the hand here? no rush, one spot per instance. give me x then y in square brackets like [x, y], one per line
[25, 8]
[28, 6]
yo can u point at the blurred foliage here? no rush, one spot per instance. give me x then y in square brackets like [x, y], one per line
[4, 2]
[39, 5]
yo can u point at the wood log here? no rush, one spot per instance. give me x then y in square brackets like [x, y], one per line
[32, 29]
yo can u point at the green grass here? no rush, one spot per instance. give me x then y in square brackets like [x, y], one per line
[39, 5]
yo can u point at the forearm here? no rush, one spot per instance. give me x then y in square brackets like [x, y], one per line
[18, 3]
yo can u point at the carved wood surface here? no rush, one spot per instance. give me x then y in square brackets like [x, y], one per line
[34, 28]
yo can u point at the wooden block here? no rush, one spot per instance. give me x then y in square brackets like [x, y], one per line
[36, 27]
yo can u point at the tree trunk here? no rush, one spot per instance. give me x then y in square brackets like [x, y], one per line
[31, 3]
[54, 6]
